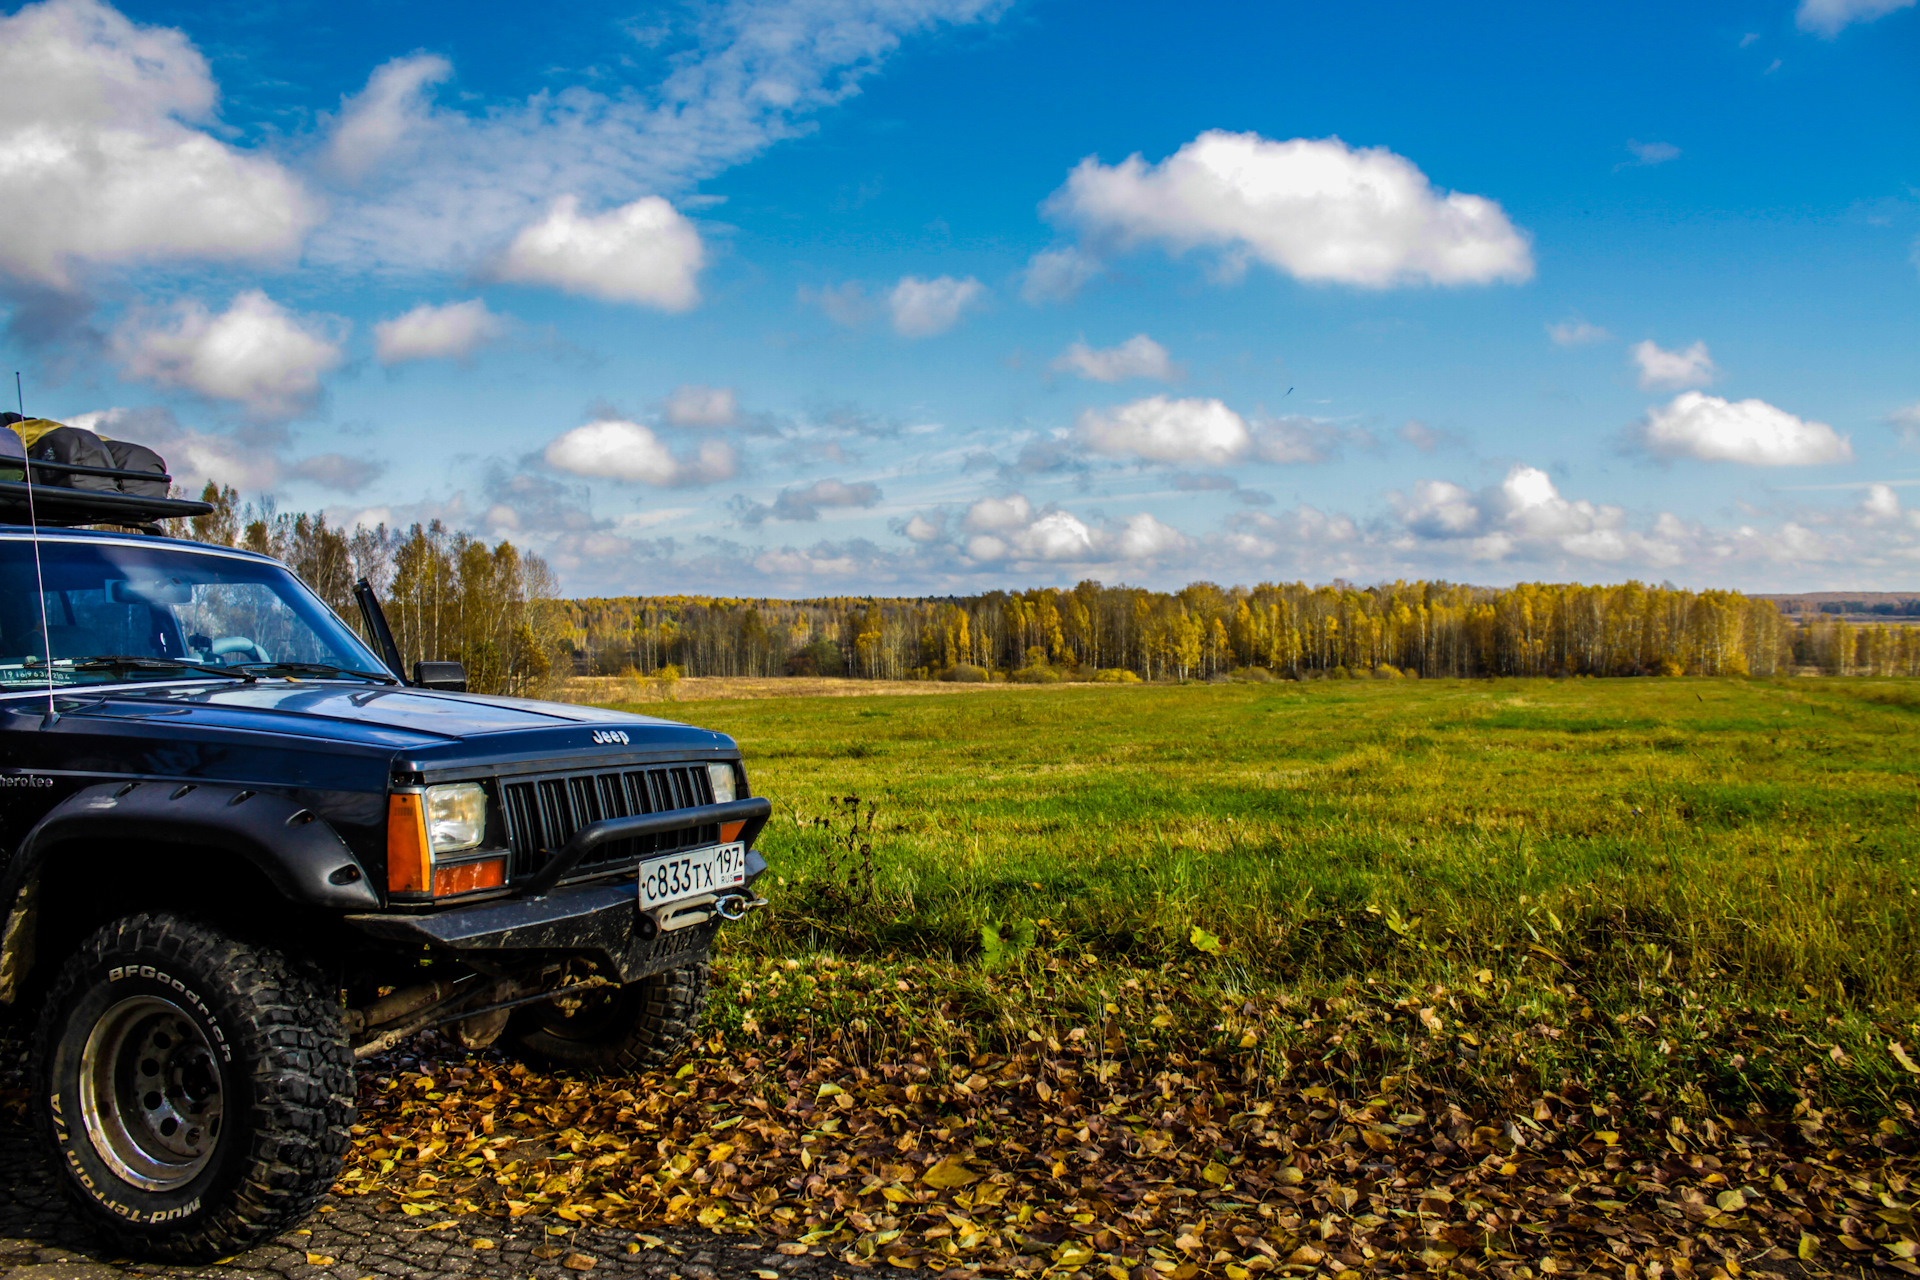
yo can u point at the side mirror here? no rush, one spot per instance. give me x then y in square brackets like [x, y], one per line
[450, 676]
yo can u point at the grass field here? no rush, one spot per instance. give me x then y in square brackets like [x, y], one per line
[1506, 979]
[1646, 848]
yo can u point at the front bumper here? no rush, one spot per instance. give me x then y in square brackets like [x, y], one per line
[599, 919]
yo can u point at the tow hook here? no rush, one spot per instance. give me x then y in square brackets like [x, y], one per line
[734, 906]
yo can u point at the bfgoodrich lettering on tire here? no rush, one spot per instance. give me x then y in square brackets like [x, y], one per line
[192, 1092]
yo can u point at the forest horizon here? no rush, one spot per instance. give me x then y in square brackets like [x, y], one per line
[496, 608]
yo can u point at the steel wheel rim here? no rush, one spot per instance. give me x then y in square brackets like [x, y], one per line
[152, 1093]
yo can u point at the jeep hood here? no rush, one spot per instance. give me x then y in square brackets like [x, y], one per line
[422, 723]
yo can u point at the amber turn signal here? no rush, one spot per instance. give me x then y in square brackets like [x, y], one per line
[409, 861]
[488, 873]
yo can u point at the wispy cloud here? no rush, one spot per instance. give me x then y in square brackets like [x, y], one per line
[439, 186]
[1648, 153]
[1575, 332]
[1828, 18]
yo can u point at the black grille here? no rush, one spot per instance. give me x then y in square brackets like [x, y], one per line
[543, 813]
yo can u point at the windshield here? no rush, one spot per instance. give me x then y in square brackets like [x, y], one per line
[154, 605]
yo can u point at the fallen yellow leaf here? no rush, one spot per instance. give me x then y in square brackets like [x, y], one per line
[949, 1172]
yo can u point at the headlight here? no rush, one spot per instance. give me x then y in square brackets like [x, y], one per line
[456, 816]
[725, 790]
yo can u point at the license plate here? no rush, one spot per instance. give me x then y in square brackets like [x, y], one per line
[692, 872]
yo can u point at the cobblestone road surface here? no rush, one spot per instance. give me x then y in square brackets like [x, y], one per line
[40, 1239]
[355, 1239]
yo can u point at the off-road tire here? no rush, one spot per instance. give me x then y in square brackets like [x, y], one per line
[636, 1027]
[271, 1043]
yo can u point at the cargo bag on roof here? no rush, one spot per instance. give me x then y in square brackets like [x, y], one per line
[50, 441]
[137, 457]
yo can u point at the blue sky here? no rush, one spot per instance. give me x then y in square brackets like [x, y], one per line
[916, 296]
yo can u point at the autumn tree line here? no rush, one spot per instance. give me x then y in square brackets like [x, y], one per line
[497, 609]
[1205, 631]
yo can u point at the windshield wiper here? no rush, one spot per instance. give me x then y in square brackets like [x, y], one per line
[120, 662]
[310, 669]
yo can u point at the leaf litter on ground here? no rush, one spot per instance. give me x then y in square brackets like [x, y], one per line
[1159, 1136]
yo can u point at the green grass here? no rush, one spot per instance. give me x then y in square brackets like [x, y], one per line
[1667, 850]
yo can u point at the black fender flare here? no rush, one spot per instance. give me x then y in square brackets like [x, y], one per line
[298, 852]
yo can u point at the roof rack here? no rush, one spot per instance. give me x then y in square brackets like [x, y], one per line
[57, 505]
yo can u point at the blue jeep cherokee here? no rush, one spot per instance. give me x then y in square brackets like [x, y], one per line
[242, 848]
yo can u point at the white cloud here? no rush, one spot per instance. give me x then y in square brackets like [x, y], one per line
[1696, 425]
[921, 529]
[644, 252]
[255, 353]
[986, 547]
[1906, 422]
[1663, 370]
[1438, 509]
[744, 75]
[1058, 275]
[993, 514]
[1302, 531]
[1575, 332]
[1881, 502]
[1010, 529]
[454, 331]
[1531, 505]
[1145, 538]
[1827, 18]
[805, 504]
[384, 121]
[1137, 357]
[1313, 208]
[100, 161]
[1054, 536]
[692, 405]
[1159, 429]
[1162, 429]
[618, 450]
[1524, 516]
[923, 308]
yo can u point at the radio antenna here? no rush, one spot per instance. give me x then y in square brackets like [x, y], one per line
[39, 577]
